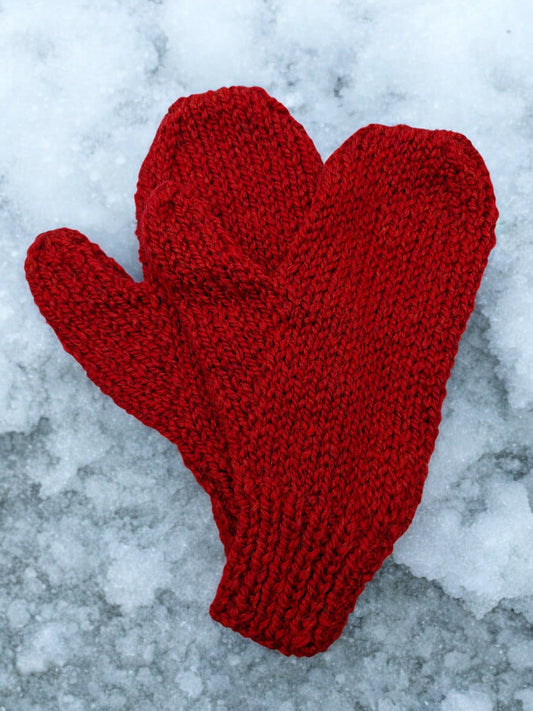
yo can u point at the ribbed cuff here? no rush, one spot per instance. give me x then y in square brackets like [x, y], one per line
[293, 590]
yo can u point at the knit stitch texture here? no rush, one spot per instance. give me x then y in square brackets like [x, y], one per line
[293, 335]
[237, 148]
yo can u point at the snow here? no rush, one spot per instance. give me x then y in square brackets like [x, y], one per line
[467, 701]
[134, 577]
[108, 554]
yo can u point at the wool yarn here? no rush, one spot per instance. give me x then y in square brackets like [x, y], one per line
[319, 325]
[237, 148]
[329, 371]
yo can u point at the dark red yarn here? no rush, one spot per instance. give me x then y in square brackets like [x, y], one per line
[125, 335]
[293, 335]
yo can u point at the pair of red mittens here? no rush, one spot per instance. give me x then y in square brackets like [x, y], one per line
[293, 335]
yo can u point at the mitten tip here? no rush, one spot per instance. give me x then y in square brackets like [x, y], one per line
[60, 238]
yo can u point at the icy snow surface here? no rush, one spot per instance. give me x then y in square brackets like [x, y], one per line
[109, 557]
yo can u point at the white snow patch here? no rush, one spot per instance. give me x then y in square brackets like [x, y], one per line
[134, 576]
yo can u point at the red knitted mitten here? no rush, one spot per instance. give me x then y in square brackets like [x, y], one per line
[328, 368]
[239, 150]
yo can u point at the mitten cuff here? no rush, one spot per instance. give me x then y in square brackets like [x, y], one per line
[293, 590]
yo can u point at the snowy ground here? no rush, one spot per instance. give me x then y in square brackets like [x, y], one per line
[108, 553]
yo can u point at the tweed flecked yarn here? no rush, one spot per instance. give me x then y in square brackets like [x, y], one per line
[297, 325]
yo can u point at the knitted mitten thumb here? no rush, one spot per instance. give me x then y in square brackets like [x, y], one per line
[328, 372]
[128, 340]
